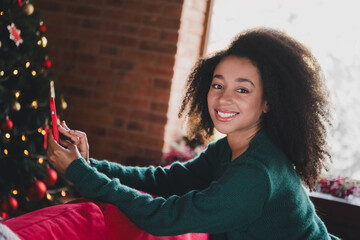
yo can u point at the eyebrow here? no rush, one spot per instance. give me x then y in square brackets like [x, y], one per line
[221, 77]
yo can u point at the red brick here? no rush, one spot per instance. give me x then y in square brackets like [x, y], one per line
[162, 22]
[164, 84]
[173, 11]
[166, 60]
[136, 126]
[159, 107]
[50, 6]
[119, 111]
[156, 71]
[109, 26]
[154, 94]
[122, 16]
[151, 33]
[148, 116]
[113, 3]
[157, 46]
[129, 29]
[139, 55]
[169, 36]
[131, 102]
[143, 80]
[155, 129]
[85, 10]
[91, 23]
[125, 89]
[125, 41]
[144, 7]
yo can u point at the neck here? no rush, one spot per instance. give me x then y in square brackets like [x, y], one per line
[239, 142]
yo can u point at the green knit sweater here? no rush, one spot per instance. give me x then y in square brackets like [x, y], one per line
[256, 196]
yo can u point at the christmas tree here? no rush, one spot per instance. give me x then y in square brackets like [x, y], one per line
[27, 181]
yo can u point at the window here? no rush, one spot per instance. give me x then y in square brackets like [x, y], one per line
[330, 29]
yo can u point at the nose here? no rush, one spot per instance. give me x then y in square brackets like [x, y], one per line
[226, 97]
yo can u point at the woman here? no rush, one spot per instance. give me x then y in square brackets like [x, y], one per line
[266, 93]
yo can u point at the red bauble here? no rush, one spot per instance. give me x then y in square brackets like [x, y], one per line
[47, 63]
[10, 205]
[37, 191]
[3, 216]
[51, 178]
[7, 125]
[42, 28]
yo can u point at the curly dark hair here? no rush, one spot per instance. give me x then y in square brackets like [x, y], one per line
[293, 86]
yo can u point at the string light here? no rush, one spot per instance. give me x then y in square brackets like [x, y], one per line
[15, 192]
[1, 13]
[43, 132]
[44, 41]
[49, 197]
[23, 138]
[17, 94]
[7, 135]
[26, 152]
[2, 73]
[39, 42]
[40, 130]
[41, 160]
[27, 64]
[34, 104]
[63, 193]
[15, 72]
[33, 72]
[6, 152]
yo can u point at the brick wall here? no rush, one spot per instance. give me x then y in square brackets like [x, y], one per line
[115, 62]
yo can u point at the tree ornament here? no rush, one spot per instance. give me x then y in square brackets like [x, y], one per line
[9, 205]
[37, 191]
[7, 125]
[15, 34]
[28, 9]
[20, 3]
[51, 178]
[0, 44]
[3, 216]
[42, 28]
[47, 63]
[16, 106]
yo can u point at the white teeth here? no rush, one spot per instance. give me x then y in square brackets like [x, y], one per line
[226, 115]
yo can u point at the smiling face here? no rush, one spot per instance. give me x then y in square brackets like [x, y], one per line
[235, 99]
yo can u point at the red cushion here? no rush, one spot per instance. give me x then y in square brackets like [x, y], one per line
[67, 221]
[84, 219]
[119, 227]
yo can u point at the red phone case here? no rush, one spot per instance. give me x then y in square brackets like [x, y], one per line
[53, 112]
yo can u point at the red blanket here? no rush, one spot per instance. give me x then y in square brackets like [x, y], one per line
[83, 220]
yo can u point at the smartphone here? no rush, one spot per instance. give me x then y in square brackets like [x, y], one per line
[53, 112]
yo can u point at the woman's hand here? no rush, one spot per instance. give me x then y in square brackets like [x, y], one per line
[60, 157]
[76, 137]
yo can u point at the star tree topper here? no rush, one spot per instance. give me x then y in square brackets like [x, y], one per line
[15, 34]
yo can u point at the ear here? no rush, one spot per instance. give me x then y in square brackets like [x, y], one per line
[266, 107]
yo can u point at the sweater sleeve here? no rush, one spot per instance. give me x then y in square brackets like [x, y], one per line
[177, 179]
[232, 202]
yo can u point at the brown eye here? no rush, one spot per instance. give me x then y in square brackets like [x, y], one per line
[216, 86]
[242, 90]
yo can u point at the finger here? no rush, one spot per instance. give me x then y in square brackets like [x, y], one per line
[52, 144]
[67, 134]
[64, 125]
[78, 133]
[65, 143]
